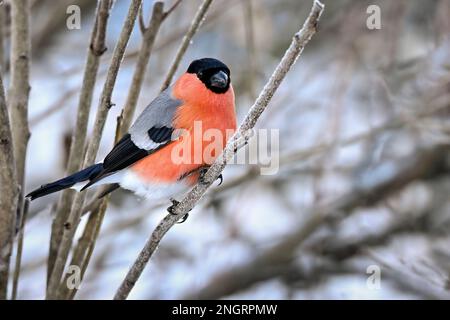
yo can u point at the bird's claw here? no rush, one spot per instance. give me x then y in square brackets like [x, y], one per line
[220, 177]
[171, 210]
[184, 218]
[172, 207]
[202, 179]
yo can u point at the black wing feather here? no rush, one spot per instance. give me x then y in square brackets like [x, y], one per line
[160, 134]
[124, 153]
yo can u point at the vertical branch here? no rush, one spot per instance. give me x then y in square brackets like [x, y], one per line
[85, 247]
[251, 50]
[96, 50]
[86, 244]
[301, 38]
[8, 193]
[195, 25]
[105, 100]
[102, 113]
[149, 36]
[2, 37]
[19, 86]
[18, 101]
[18, 263]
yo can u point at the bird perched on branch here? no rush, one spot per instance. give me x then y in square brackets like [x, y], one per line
[177, 136]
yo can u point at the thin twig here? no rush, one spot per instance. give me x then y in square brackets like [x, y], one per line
[52, 20]
[56, 106]
[85, 247]
[299, 41]
[172, 8]
[102, 113]
[149, 36]
[141, 20]
[96, 49]
[425, 164]
[396, 122]
[3, 27]
[195, 25]
[19, 87]
[251, 48]
[8, 193]
[176, 35]
[23, 219]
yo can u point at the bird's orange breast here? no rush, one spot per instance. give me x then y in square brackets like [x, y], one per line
[207, 119]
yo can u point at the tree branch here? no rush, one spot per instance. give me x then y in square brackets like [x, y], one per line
[149, 36]
[8, 193]
[195, 25]
[252, 54]
[96, 49]
[19, 91]
[172, 8]
[427, 163]
[20, 238]
[3, 27]
[85, 246]
[102, 113]
[301, 38]
[20, 87]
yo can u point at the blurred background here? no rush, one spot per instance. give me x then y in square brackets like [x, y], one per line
[359, 208]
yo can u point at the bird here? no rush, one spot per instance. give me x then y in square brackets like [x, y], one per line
[171, 143]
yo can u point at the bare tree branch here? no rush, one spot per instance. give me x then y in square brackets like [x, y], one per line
[195, 25]
[172, 8]
[299, 41]
[85, 246]
[395, 122]
[3, 27]
[19, 86]
[425, 164]
[102, 113]
[8, 193]
[52, 20]
[19, 90]
[149, 36]
[96, 49]
[20, 239]
[252, 54]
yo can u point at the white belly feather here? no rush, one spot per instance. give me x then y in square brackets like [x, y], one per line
[156, 191]
[130, 181]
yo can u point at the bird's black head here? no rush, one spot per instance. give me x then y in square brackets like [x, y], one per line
[213, 73]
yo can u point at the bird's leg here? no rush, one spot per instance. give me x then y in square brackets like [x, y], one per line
[203, 171]
[220, 177]
[182, 220]
[172, 207]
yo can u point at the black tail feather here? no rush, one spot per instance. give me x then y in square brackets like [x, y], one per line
[67, 182]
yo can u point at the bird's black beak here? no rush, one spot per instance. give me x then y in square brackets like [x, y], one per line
[219, 80]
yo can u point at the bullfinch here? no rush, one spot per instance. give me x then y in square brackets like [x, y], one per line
[171, 142]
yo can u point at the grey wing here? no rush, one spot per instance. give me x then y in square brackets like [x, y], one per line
[154, 126]
[151, 131]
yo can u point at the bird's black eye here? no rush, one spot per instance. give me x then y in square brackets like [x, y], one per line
[200, 74]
